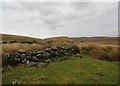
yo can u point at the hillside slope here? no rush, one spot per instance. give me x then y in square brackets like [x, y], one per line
[8, 37]
[94, 39]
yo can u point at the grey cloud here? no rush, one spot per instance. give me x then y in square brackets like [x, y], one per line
[12, 6]
[48, 19]
[81, 5]
[44, 8]
[52, 13]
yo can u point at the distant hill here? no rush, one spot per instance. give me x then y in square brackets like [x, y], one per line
[94, 39]
[8, 37]
[57, 40]
[60, 40]
[53, 40]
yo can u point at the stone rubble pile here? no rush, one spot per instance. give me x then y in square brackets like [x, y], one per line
[39, 58]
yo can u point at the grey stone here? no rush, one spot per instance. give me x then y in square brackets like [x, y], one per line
[39, 56]
[73, 49]
[24, 61]
[52, 54]
[47, 50]
[23, 56]
[14, 83]
[31, 64]
[41, 64]
[18, 59]
[22, 51]
[27, 62]
[47, 61]
[47, 55]
[33, 53]
[29, 58]
[17, 55]
[7, 55]
[15, 58]
[54, 48]
[34, 58]
[12, 55]
[40, 52]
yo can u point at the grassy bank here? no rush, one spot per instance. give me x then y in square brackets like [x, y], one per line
[103, 52]
[84, 70]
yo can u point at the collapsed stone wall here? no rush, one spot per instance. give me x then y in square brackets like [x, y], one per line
[38, 56]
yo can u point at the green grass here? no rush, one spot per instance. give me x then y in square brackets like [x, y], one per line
[84, 70]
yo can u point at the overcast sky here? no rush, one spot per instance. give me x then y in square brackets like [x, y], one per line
[49, 19]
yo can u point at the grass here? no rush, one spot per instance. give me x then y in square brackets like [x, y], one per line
[84, 70]
[13, 47]
[103, 52]
[28, 47]
[18, 46]
[96, 40]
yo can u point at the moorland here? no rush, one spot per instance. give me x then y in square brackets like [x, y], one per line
[95, 60]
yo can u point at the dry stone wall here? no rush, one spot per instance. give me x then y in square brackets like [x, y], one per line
[32, 57]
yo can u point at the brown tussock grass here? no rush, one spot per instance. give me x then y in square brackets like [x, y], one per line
[103, 52]
[18, 46]
[28, 47]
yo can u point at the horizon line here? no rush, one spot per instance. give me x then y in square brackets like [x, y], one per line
[57, 36]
